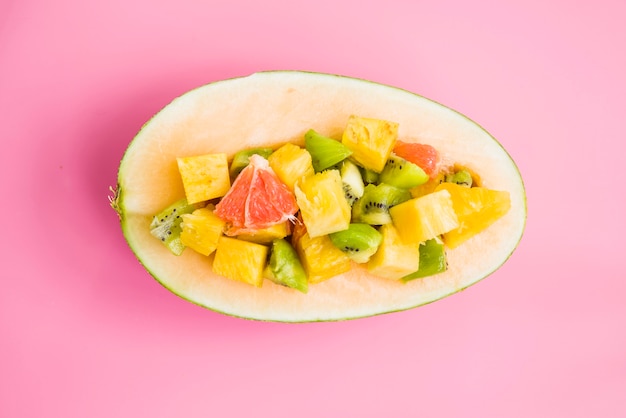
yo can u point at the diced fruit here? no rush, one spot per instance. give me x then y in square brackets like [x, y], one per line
[394, 258]
[373, 207]
[359, 241]
[353, 186]
[370, 140]
[266, 235]
[322, 203]
[456, 174]
[257, 199]
[285, 268]
[290, 163]
[165, 226]
[240, 260]
[325, 152]
[476, 180]
[369, 176]
[424, 218]
[274, 106]
[204, 177]
[425, 156]
[201, 230]
[242, 158]
[429, 186]
[401, 173]
[476, 209]
[320, 258]
[462, 178]
[432, 260]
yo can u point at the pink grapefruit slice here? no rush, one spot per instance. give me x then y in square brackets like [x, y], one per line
[256, 200]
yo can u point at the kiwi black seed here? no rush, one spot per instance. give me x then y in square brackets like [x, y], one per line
[360, 241]
[166, 225]
[373, 207]
[353, 186]
[401, 173]
[461, 177]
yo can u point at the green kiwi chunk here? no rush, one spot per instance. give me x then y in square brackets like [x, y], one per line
[369, 176]
[353, 186]
[432, 260]
[284, 267]
[373, 207]
[461, 177]
[360, 241]
[165, 226]
[325, 152]
[401, 173]
[241, 159]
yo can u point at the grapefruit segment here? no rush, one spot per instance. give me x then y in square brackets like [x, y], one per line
[231, 208]
[423, 155]
[256, 200]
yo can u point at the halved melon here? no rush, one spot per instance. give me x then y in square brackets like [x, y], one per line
[270, 109]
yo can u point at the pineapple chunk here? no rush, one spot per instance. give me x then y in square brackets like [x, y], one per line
[267, 235]
[394, 258]
[371, 141]
[240, 260]
[426, 217]
[201, 230]
[476, 208]
[322, 203]
[205, 177]
[291, 163]
[320, 258]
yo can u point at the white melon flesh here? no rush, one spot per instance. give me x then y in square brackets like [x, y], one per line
[269, 109]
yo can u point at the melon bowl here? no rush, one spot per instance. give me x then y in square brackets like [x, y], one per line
[270, 109]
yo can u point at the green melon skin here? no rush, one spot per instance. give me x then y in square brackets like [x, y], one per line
[268, 109]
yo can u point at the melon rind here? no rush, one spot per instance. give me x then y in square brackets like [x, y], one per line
[270, 109]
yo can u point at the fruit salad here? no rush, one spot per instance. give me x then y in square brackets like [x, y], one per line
[299, 215]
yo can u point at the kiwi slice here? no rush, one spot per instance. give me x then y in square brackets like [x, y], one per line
[461, 177]
[373, 207]
[166, 225]
[360, 241]
[432, 260]
[284, 267]
[325, 152]
[241, 159]
[401, 173]
[369, 176]
[353, 186]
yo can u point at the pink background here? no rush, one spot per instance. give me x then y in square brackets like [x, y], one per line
[86, 332]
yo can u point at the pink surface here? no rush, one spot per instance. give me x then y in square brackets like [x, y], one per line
[86, 332]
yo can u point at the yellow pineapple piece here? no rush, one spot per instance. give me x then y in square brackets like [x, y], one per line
[319, 257]
[201, 230]
[371, 141]
[422, 218]
[322, 203]
[240, 260]
[394, 258]
[205, 177]
[267, 235]
[476, 209]
[290, 163]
